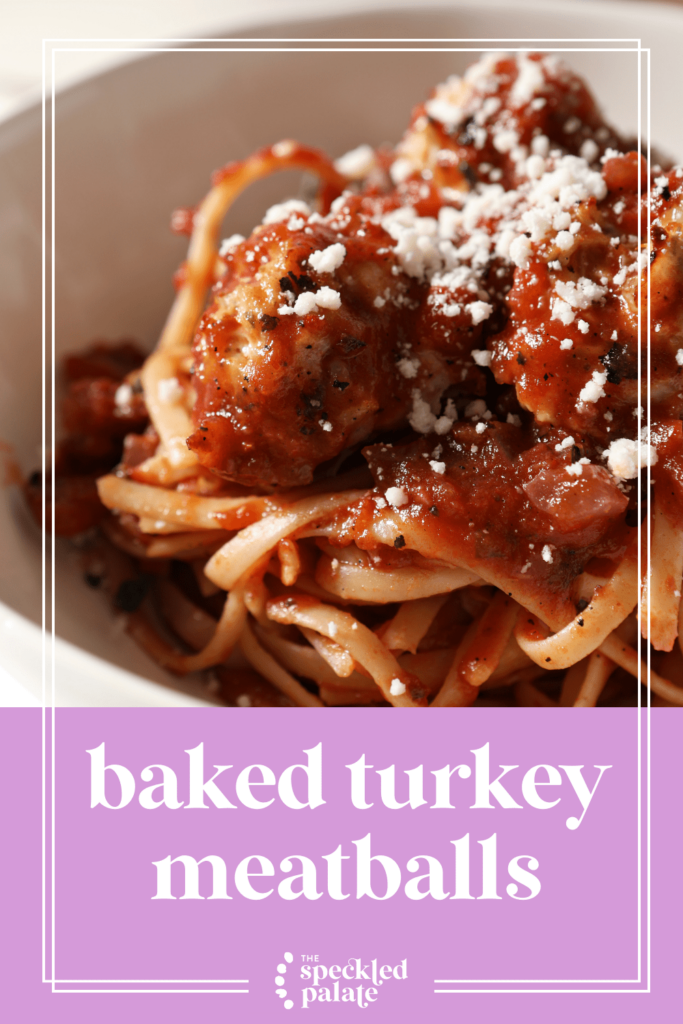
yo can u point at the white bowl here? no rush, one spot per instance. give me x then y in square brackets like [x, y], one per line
[142, 139]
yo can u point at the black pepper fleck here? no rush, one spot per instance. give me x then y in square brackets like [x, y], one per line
[268, 323]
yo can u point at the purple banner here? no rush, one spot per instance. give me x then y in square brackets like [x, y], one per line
[244, 864]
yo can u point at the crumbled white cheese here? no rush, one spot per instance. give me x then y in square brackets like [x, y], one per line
[417, 241]
[408, 368]
[481, 427]
[284, 148]
[566, 344]
[481, 356]
[283, 211]
[489, 107]
[583, 326]
[679, 357]
[520, 251]
[401, 169]
[338, 205]
[515, 421]
[580, 294]
[357, 163]
[563, 312]
[424, 421]
[479, 311]
[421, 418]
[625, 457]
[564, 240]
[538, 221]
[449, 114]
[325, 261]
[593, 389]
[566, 443]
[438, 467]
[397, 497]
[228, 244]
[309, 302]
[397, 688]
[505, 140]
[535, 165]
[547, 554]
[123, 398]
[589, 151]
[528, 82]
[540, 144]
[326, 425]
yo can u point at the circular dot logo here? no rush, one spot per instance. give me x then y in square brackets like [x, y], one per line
[280, 980]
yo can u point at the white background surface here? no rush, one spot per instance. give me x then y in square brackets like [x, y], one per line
[27, 22]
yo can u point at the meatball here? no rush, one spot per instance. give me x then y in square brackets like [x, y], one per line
[480, 126]
[323, 331]
[571, 343]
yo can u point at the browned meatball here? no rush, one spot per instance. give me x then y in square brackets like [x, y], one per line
[481, 126]
[571, 344]
[323, 331]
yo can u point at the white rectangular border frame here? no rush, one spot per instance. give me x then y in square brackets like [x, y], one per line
[49, 47]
